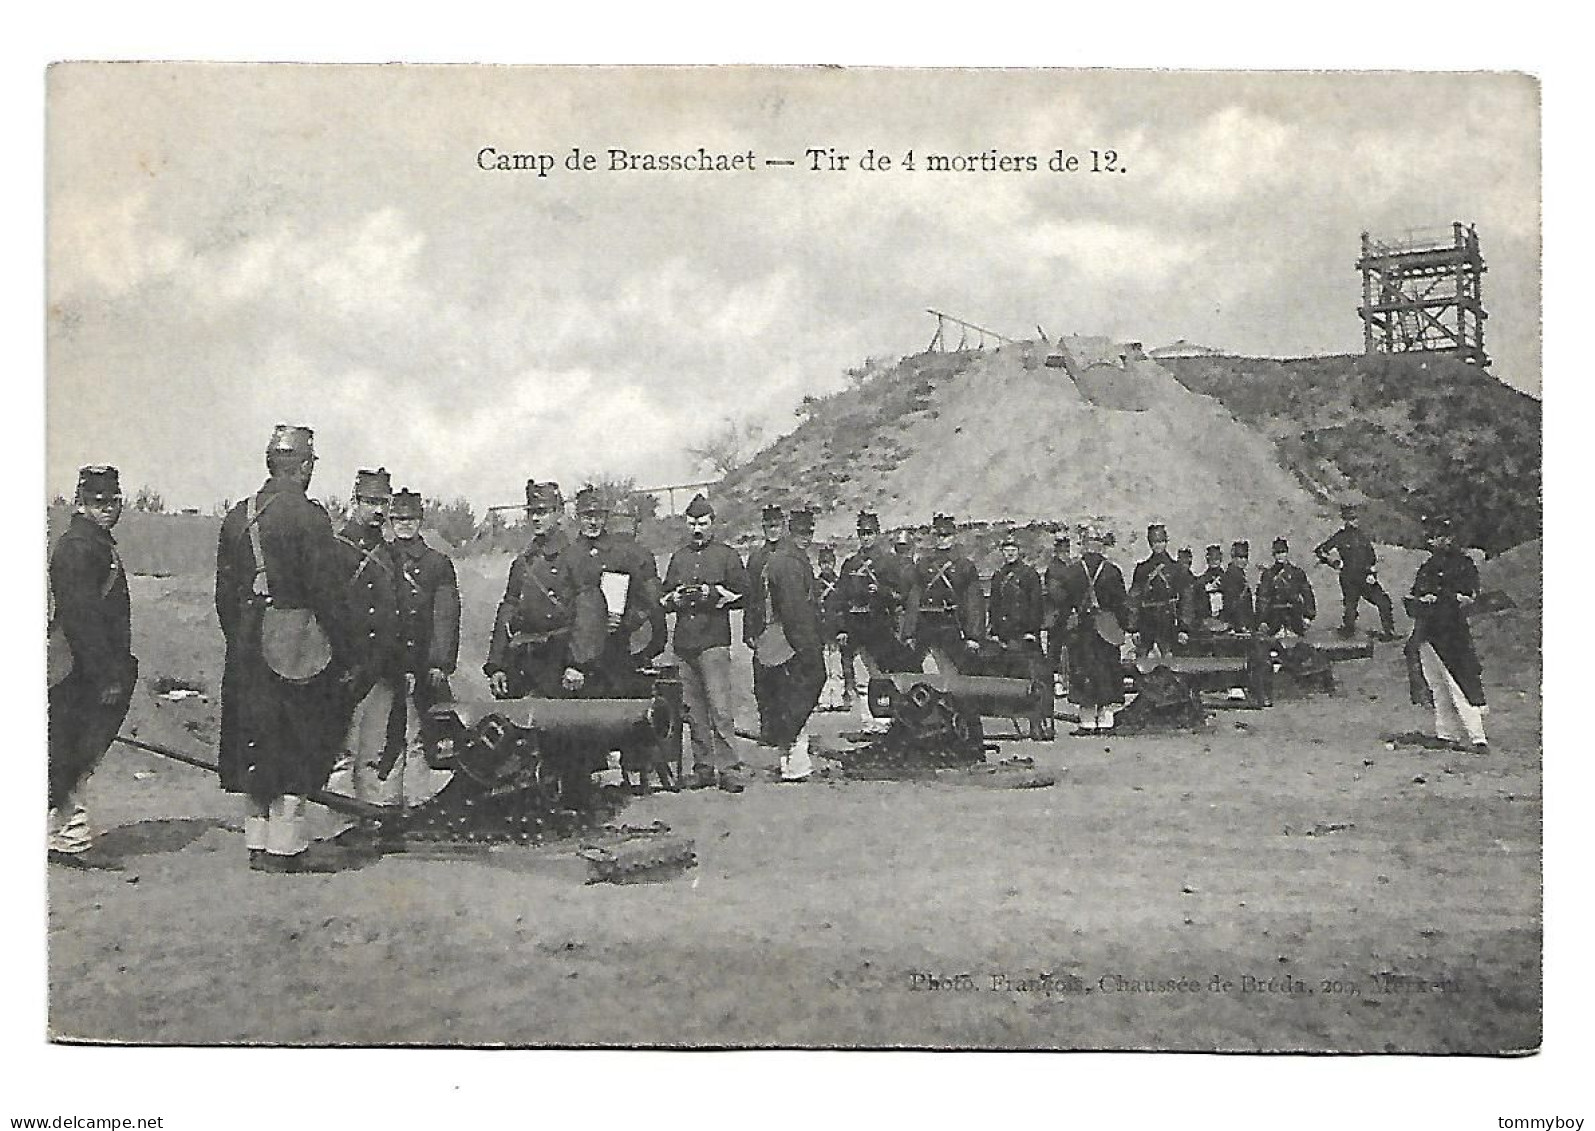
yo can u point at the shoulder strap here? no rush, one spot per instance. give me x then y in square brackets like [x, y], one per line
[262, 586]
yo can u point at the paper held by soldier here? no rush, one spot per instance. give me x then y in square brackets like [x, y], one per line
[1222, 373]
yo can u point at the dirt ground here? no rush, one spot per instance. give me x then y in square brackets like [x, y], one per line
[1285, 880]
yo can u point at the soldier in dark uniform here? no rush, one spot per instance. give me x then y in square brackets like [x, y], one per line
[838, 692]
[1159, 598]
[1056, 601]
[773, 520]
[873, 586]
[785, 594]
[1351, 552]
[548, 634]
[281, 729]
[946, 616]
[635, 625]
[1209, 593]
[549, 631]
[1014, 615]
[704, 581]
[371, 612]
[1239, 613]
[1285, 600]
[89, 700]
[1096, 611]
[1442, 643]
[429, 625]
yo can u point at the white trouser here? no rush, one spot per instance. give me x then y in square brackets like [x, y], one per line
[69, 829]
[1097, 718]
[368, 735]
[278, 827]
[1454, 716]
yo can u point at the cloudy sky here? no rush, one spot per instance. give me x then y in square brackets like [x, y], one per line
[234, 246]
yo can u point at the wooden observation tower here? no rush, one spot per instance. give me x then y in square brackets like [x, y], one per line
[1421, 294]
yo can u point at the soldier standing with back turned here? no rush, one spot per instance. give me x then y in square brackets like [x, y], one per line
[89, 700]
[284, 709]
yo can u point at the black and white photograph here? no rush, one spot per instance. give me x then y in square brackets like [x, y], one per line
[793, 557]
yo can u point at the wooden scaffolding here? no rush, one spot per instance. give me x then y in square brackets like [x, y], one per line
[1422, 294]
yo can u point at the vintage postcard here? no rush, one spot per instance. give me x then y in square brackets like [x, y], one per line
[794, 557]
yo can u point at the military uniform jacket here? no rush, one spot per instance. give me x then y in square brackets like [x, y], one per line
[1284, 588]
[370, 600]
[1158, 587]
[1207, 592]
[946, 585]
[885, 571]
[753, 611]
[552, 596]
[89, 587]
[1015, 610]
[614, 554]
[1443, 623]
[700, 627]
[1356, 552]
[1055, 588]
[1237, 590]
[429, 607]
[1090, 586]
[788, 596]
[279, 737]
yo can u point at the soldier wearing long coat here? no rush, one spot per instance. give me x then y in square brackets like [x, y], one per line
[1014, 615]
[1095, 586]
[635, 630]
[279, 736]
[773, 521]
[88, 701]
[785, 596]
[1239, 612]
[1447, 583]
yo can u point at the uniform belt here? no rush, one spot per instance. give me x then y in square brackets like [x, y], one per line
[533, 639]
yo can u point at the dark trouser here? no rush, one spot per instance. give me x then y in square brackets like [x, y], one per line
[1157, 627]
[795, 689]
[764, 694]
[1356, 588]
[82, 729]
[849, 671]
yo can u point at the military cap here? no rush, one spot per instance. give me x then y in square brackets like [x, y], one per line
[1090, 533]
[772, 512]
[801, 520]
[1060, 538]
[699, 508]
[1348, 510]
[1157, 532]
[406, 504]
[543, 496]
[291, 440]
[1215, 552]
[1241, 549]
[370, 484]
[944, 524]
[903, 538]
[98, 483]
[869, 522]
[1186, 554]
[589, 500]
[1281, 546]
[1009, 539]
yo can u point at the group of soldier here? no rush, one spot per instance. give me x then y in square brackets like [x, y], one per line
[339, 640]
